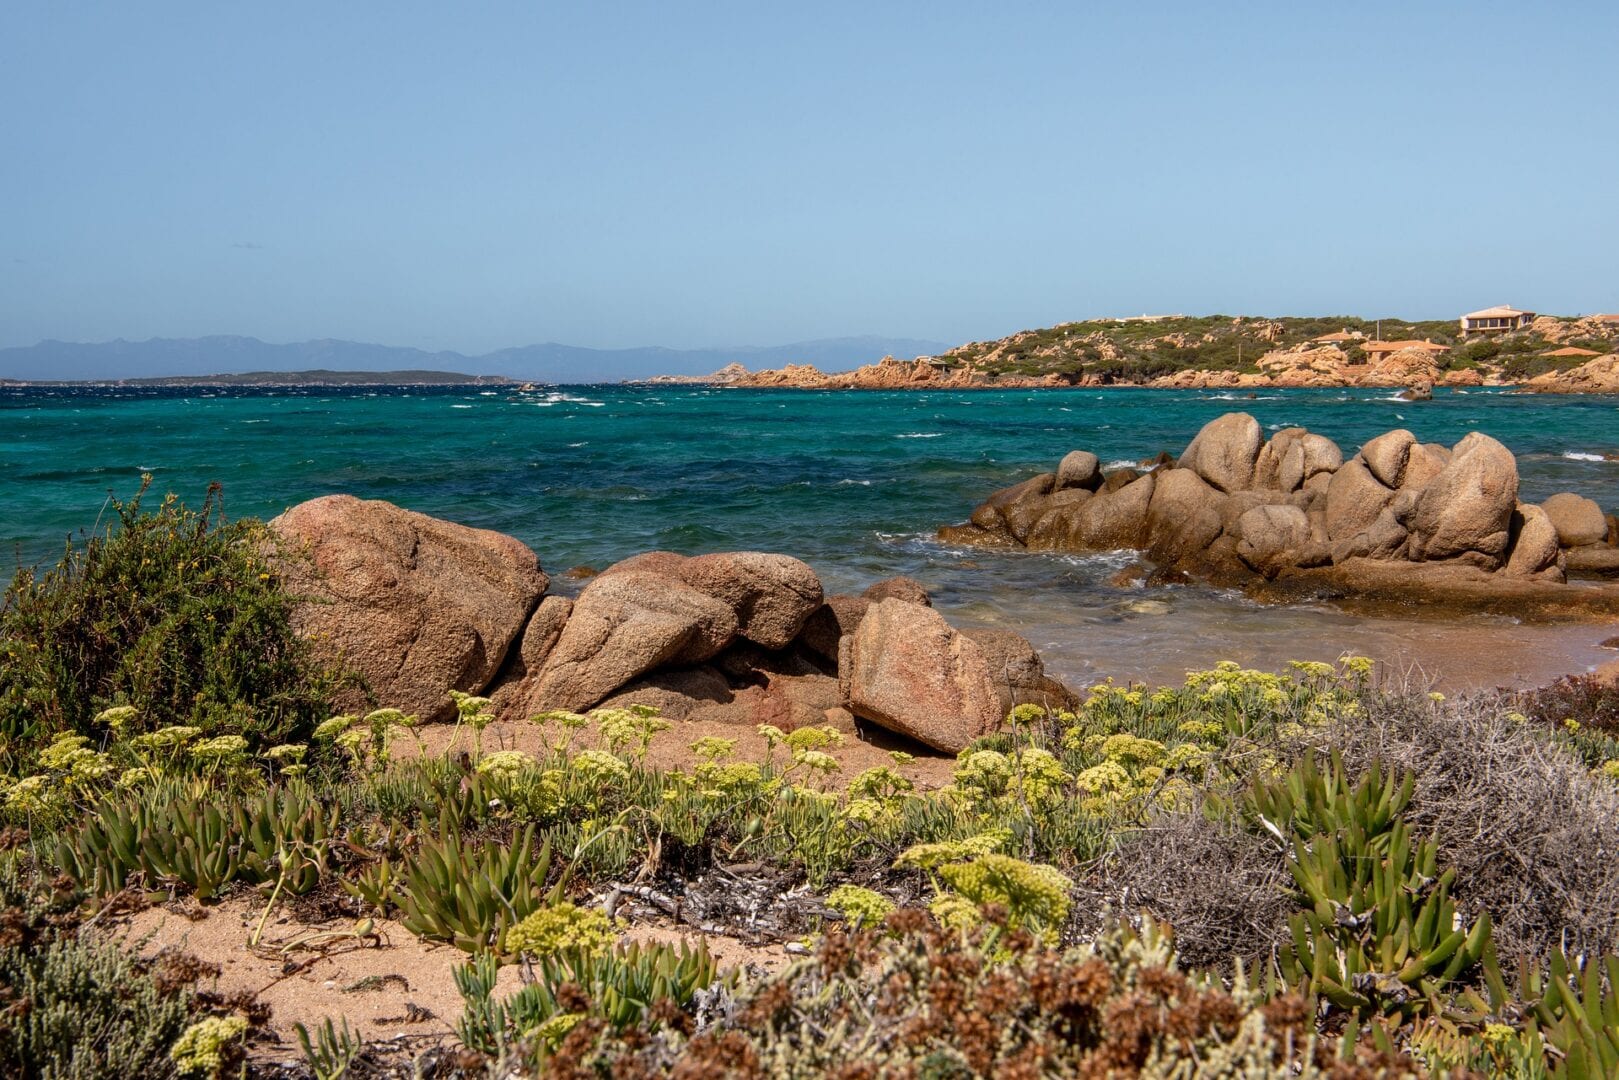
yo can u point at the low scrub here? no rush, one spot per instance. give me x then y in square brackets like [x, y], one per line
[1271, 874]
[178, 613]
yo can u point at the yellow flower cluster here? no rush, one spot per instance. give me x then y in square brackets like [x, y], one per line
[1036, 896]
[861, 907]
[560, 928]
[504, 763]
[929, 856]
[200, 1049]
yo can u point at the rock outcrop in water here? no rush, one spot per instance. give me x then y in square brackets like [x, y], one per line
[1399, 519]
[420, 606]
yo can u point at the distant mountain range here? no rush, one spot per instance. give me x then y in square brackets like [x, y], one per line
[550, 362]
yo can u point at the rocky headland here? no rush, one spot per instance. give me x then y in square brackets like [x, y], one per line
[1553, 354]
[421, 606]
[1400, 520]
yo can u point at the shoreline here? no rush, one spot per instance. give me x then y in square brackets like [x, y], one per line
[1199, 379]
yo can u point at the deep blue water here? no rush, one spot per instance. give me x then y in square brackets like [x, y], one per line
[853, 482]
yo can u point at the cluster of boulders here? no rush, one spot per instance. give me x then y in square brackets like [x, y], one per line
[1236, 507]
[419, 606]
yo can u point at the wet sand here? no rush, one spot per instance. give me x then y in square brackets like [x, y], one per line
[1157, 635]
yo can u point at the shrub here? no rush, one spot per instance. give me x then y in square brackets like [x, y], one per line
[176, 612]
[919, 1001]
[1527, 826]
[1224, 888]
[78, 1008]
[1591, 703]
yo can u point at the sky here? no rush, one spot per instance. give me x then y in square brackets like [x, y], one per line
[474, 176]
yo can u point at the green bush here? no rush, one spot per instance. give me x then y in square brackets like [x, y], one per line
[177, 612]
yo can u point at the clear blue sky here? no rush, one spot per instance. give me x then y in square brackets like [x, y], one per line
[470, 176]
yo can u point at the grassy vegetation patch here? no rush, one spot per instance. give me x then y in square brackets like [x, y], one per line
[177, 613]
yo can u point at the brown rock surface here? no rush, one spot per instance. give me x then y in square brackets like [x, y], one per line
[790, 702]
[907, 670]
[839, 616]
[625, 624]
[898, 588]
[696, 694]
[418, 605]
[1079, 469]
[1387, 454]
[539, 638]
[1445, 517]
[991, 513]
[1116, 520]
[1592, 560]
[1425, 462]
[1225, 452]
[1384, 538]
[1354, 499]
[1534, 542]
[1308, 456]
[1017, 671]
[1578, 520]
[1468, 506]
[1270, 534]
[772, 595]
[1599, 376]
[1183, 516]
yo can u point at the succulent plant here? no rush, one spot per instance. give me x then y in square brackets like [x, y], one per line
[470, 896]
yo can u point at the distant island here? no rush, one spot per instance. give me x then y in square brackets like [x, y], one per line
[207, 357]
[1494, 347]
[318, 377]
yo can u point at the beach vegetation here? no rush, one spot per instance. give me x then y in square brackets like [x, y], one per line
[1282, 872]
[167, 616]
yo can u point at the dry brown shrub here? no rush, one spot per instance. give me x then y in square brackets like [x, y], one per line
[1533, 835]
[1224, 891]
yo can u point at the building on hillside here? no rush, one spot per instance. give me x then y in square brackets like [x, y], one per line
[1496, 320]
[1607, 320]
[1383, 348]
[1572, 350]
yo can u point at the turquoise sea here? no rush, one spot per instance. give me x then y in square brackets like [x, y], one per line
[855, 483]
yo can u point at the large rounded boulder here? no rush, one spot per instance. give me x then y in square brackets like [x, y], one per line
[1308, 456]
[1270, 535]
[623, 625]
[1355, 497]
[1467, 508]
[906, 669]
[1579, 521]
[1226, 451]
[1387, 455]
[772, 595]
[1534, 543]
[417, 605]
